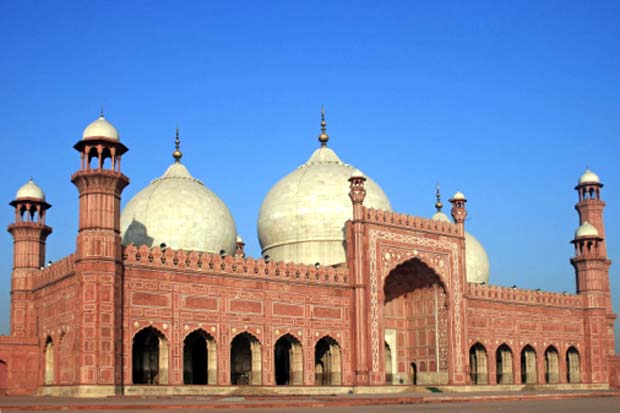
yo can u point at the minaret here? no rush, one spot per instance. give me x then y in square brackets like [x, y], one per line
[592, 276]
[590, 206]
[355, 252]
[240, 248]
[99, 254]
[29, 234]
[458, 212]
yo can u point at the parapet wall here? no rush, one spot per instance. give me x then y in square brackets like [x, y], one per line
[522, 296]
[249, 267]
[395, 219]
[54, 272]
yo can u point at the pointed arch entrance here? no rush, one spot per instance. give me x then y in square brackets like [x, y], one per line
[528, 365]
[199, 358]
[149, 357]
[573, 365]
[288, 361]
[327, 362]
[245, 360]
[415, 312]
[478, 364]
[504, 368]
[552, 365]
[49, 361]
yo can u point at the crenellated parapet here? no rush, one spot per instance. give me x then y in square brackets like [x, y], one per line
[54, 272]
[204, 262]
[396, 219]
[523, 296]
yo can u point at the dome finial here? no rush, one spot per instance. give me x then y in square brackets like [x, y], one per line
[438, 204]
[177, 154]
[101, 113]
[323, 137]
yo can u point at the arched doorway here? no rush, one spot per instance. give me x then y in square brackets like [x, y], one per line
[327, 368]
[199, 358]
[503, 360]
[573, 366]
[414, 374]
[415, 310]
[49, 361]
[245, 360]
[478, 364]
[4, 377]
[150, 357]
[528, 365]
[552, 365]
[388, 364]
[288, 361]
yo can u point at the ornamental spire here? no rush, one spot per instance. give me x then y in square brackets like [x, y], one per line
[438, 204]
[323, 137]
[177, 154]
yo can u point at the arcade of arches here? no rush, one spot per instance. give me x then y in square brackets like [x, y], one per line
[504, 368]
[150, 359]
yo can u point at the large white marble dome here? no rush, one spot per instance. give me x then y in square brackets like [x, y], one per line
[302, 218]
[179, 211]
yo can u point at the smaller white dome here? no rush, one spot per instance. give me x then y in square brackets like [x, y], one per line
[100, 128]
[586, 230]
[239, 239]
[30, 190]
[589, 177]
[440, 216]
[477, 261]
[458, 196]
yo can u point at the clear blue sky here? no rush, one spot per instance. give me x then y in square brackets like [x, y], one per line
[505, 101]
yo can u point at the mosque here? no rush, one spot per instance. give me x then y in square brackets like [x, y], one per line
[348, 295]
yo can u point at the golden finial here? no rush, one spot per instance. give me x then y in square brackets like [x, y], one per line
[438, 204]
[323, 137]
[177, 154]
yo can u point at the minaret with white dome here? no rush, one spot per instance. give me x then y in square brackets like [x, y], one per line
[476, 259]
[179, 211]
[302, 218]
[592, 275]
[29, 233]
[99, 255]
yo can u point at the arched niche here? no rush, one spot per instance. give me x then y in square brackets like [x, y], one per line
[327, 362]
[288, 361]
[528, 365]
[150, 357]
[504, 364]
[199, 358]
[245, 360]
[478, 364]
[552, 365]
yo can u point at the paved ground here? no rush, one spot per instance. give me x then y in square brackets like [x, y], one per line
[504, 402]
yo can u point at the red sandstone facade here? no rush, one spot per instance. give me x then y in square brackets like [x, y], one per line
[110, 319]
